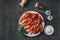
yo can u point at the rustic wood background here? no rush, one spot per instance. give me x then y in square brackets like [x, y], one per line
[10, 13]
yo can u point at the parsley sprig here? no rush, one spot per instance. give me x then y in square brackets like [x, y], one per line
[22, 31]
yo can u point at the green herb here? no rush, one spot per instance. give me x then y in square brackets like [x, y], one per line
[23, 31]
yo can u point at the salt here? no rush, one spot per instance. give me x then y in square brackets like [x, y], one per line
[49, 30]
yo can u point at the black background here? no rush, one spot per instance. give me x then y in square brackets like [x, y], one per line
[10, 13]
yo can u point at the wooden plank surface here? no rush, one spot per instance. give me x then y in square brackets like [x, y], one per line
[10, 13]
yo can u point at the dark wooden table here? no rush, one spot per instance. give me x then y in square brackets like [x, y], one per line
[10, 13]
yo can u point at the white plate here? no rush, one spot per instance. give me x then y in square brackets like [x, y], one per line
[43, 23]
